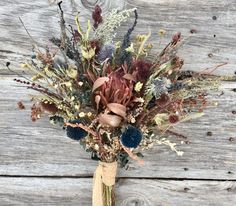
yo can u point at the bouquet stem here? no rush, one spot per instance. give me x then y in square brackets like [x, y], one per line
[104, 184]
[109, 195]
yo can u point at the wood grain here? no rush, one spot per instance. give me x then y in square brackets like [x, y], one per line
[130, 192]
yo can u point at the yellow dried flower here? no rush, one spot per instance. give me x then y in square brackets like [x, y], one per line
[88, 54]
[89, 114]
[118, 44]
[149, 46]
[71, 72]
[130, 48]
[140, 37]
[161, 32]
[138, 86]
[24, 66]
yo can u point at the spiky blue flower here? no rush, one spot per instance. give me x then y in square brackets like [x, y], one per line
[160, 86]
[131, 137]
[75, 133]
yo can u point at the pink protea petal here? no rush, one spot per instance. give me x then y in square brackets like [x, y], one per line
[99, 82]
[129, 77]
[97, 100]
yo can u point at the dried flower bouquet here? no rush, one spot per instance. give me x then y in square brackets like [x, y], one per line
[114, 97]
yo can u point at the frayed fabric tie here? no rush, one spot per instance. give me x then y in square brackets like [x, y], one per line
[105, 173]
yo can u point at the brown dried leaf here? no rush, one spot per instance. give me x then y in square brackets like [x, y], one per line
[129, 77]
[99, 82]
[109, 120]
[118, 109]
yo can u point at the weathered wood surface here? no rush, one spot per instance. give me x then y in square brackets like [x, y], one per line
[130, 192]
[40, 150]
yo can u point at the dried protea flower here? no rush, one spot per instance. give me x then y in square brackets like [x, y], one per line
[173, 118]
[109, 120]
[115, 89]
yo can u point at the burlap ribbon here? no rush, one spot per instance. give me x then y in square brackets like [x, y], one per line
[104, 174]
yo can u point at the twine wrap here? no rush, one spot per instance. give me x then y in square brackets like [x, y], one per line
[104, 174]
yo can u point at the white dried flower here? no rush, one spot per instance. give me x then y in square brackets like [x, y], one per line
[80, 83]
[132, 120]
[81, 114]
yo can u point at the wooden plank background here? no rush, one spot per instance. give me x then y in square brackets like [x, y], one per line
[40, 166]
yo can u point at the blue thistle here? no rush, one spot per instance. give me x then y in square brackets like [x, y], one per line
[160, 86]
[75, 133]
[131, 137]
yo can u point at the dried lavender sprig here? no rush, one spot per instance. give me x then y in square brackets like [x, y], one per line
[124, 55]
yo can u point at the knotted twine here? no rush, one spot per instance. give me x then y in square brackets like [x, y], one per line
[105, 173]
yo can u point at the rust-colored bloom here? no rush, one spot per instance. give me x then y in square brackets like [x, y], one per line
[39, 108]
[164, 98]
[176, 37]
[96, 15]
[20, 105]
[36, 111]
[95, 44]
[173, 118]
[49, 107]
[143, 70]
[115, 89]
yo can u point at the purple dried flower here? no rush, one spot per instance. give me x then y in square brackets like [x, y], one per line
[106, 52]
